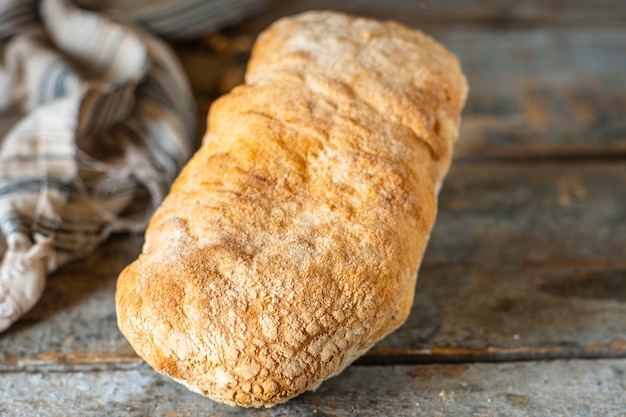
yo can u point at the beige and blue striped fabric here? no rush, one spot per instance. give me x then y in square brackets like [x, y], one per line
[96, 120]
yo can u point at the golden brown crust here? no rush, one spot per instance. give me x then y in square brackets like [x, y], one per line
[290, 243]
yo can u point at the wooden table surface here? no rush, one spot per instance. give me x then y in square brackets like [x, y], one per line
[520, 307]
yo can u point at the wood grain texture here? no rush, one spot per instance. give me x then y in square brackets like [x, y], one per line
[557, 388]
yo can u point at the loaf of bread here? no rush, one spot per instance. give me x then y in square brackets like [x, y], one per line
[291, 241]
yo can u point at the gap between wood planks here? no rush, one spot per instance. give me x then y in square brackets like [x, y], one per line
[60, 362]
[560, 157]
[430, 356]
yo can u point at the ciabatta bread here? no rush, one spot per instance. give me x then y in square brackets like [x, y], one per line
[290, 243]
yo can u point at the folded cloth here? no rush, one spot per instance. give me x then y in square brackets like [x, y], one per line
[98, 118]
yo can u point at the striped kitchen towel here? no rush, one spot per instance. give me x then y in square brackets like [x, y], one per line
[96, 120]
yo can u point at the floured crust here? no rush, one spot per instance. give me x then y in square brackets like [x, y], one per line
[290, 243]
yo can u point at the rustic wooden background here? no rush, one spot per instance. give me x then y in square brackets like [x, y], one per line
[520, 308]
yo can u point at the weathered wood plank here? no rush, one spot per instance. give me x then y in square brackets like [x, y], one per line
[533, 93]
[526, 261]
[504, 214]
[471, 313]
[542, 92]
[494, 13]
[558, 388]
